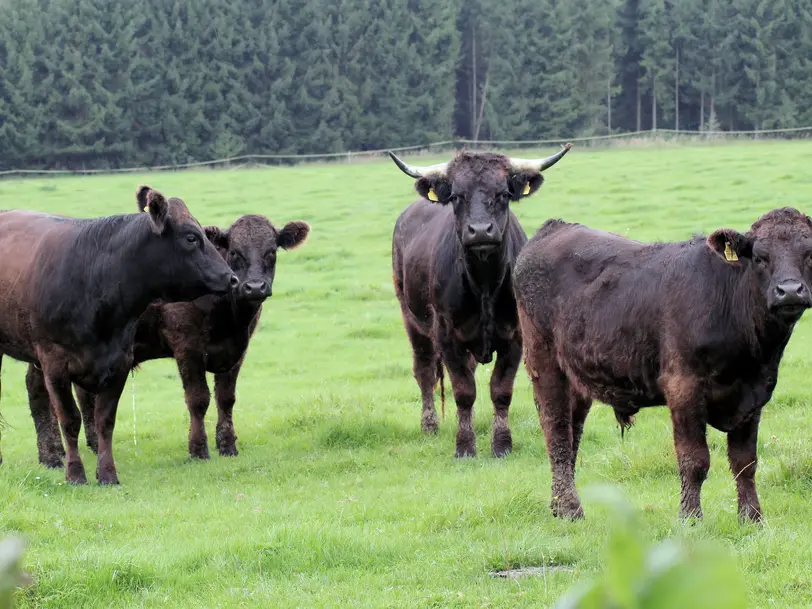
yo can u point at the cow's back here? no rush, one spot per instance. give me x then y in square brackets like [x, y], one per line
[31, 245]
[608, 304]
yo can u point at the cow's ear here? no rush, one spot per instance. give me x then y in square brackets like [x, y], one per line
[730, 244]
[218, 238]
[435, 189]
[524, 184]
[293, 235]
[155, 204]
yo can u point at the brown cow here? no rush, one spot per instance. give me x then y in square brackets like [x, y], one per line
[71, 293]
[210, 334]
[452, 254]
[699, 325]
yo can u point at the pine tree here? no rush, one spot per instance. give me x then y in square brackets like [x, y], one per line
[591, 60]
[630, 98]
[657, 58]
[19, 117]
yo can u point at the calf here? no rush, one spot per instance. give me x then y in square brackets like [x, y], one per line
[452, 254]
[210, 334]
[699, 326]
[71, 294]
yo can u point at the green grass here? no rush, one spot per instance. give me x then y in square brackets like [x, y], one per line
[337, 497]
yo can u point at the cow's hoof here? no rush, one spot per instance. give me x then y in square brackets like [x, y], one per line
[226, 441]
[750, 513]
[465, 453]
[502, 443]
[108, 479]
[466, 444]
[199, 450]
[51, 461]
[466, 448]
[75, 473]
[200, 455]
[228, 451]
[567, 506]
[690, 510]
[429, 425]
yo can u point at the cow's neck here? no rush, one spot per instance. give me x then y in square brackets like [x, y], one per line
[232, 317]
[485, 276]
[120, 300]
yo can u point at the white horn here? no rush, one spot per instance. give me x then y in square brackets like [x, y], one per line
[532, 165]
[419, 172]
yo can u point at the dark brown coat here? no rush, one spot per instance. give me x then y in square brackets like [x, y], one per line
[452, 258]
[210, 334]
[71, 294]
[636, 325]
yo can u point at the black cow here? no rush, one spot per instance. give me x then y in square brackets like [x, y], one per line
[210, 334]
[72, 291]
[452, 254]
[699, 325]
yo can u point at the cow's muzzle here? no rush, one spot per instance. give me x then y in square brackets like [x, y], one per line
[255, 290]
[481, 236]
[790, 298]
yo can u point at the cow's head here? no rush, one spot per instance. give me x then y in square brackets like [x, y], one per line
[250, 245]
[179, 256]
[480, 187]
[778, 248]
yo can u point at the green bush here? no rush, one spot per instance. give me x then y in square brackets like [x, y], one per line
[11, 551]
[665, 576]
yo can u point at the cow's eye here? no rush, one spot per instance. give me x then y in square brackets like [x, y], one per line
[760, 260]
[191, 238]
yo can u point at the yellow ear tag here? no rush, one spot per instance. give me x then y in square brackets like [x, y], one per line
[730, 255]
[432, 195]
[146, 208]
[526, 190]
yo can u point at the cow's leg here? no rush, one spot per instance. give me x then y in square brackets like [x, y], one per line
[554, 399]
[693, 458]
[59, 390]
[461, 373]
[741, 451]
[508, 358]
[105, 419]
[1, 420]
[193, 375]
[49, 441]
[580, 410]
[225, 389]
[425, 373]
[87, 406]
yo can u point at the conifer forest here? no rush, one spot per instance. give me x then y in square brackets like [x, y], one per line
[100, 84]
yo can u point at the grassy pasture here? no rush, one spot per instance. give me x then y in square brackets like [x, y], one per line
[337, 497]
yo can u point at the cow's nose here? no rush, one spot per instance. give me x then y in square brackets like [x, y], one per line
[233, 281]
[791, 292]
[255, 289]
[479, 231]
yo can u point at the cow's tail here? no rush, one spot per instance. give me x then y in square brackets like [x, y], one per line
[441, 381]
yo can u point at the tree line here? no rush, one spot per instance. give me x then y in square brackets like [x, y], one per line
[98, 84]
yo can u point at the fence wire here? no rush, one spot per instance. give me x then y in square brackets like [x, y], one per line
[597, 140]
